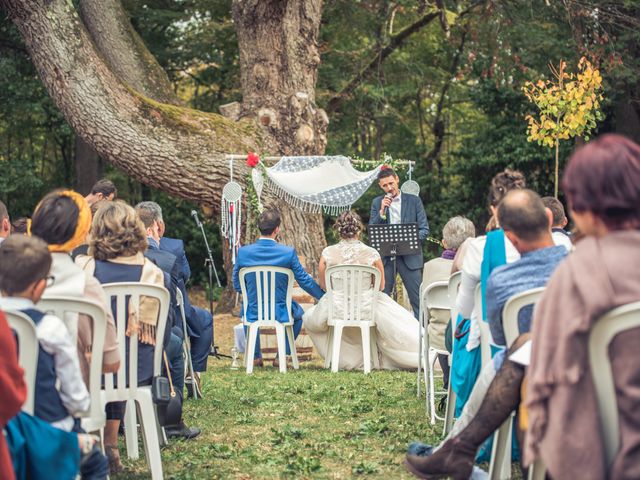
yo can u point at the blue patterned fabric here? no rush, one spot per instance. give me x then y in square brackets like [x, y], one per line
[531, 271]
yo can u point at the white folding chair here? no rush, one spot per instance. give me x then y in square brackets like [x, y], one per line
[454, 284]
[186, 346]
[621, 319]
[28, 348]
[138, 398]
[265, 282]
[435, 297]
[353, 294]
[500, 465]
[485, 332]
[67, 309]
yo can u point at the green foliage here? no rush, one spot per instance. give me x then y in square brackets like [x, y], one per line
[308, 423]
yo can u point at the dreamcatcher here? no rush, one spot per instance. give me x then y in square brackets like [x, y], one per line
[410, 186]
[231, 211]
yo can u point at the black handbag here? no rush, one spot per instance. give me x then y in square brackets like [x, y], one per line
[168, 402]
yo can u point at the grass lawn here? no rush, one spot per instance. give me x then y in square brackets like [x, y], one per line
[308, 423]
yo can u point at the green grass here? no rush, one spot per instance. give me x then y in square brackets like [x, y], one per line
[308, 423]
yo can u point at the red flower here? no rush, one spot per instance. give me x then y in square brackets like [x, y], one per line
[252, 159]
[385, 167]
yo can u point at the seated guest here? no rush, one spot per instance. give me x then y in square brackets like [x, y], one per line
[602, 185]
[268, 252]
[483, 254]
[199, 320]
[20, 226]
[62, 219]
[527, 224]
[396, 327]
[5, 223]
[168, 263]
[601, 182]
[36, 447]
[456, 231]
[102, 190]
[24, 268]
[14, 392]
[118, 242]
[83, 247]
[560, 235]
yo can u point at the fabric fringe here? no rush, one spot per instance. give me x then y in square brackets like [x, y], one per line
[304, 205]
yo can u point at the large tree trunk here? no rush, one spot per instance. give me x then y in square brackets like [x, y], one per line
[115, 98]
[279, 58]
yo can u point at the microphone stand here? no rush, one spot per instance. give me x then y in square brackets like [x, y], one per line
[211, 269]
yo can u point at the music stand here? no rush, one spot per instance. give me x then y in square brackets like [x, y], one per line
[393, 240]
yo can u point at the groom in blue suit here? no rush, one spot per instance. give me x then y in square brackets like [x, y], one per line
[268, 252]
[397, 207]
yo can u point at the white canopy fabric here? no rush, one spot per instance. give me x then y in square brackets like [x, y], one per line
[317, 183]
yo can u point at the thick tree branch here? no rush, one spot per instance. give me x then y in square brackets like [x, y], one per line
[396, 41]
[177, 150]
[124, 50]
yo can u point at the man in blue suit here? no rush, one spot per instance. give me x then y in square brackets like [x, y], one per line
[397, 207]
[199, 320]
[268, 252]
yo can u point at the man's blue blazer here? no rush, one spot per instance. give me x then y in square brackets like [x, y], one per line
[176, 246]
[266, 252]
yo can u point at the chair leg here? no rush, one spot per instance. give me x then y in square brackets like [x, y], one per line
[292, 346]
[366, 347]
[327, 357]
[500, 466]
[150, 433]
[418, 380]
[251, 346]
[431, 393]
[282, 352]
[449, 413]
[131, 430]
[335, 349]
[374, 348]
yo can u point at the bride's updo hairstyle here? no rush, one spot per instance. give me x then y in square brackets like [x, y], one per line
[348, 225]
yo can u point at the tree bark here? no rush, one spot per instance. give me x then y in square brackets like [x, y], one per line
[124, 51]
[174, 149]
[278, 44]
[88, 166]
[101, 89]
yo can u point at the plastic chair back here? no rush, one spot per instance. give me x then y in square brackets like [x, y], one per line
[454, 284]
[606, 328]
[28, 348]
[265, 279]
[512, 308]
[129, 295]
[67, 309]
[353, 292]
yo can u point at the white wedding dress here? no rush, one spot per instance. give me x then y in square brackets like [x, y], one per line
[397, 329]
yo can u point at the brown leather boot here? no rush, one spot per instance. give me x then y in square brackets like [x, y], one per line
[454, 459]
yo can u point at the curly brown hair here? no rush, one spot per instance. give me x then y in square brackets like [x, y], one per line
[116, 231]
[348, 224]
[503, 182]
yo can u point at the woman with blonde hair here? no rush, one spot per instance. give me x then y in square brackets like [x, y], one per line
[397, 329]
[116, 254]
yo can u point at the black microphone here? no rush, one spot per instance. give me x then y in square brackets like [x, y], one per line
[386, 209]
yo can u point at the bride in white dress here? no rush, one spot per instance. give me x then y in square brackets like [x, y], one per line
[396, 328]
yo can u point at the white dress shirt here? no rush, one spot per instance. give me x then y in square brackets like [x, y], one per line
[395, 209]
[55, 339]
